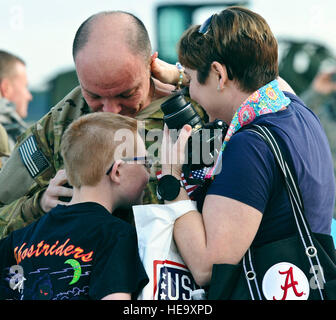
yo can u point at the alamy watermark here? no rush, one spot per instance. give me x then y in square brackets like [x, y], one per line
[202, 147]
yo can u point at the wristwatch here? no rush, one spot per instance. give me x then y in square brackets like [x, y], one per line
[168, 187]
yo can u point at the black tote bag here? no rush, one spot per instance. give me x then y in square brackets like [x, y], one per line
[301, 267]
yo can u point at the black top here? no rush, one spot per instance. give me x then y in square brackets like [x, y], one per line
[73, 252]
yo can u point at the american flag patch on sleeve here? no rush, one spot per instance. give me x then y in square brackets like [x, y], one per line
[32, 157]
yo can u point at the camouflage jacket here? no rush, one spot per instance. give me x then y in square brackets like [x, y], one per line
[21, 186]
[11, 121]
[4, 145]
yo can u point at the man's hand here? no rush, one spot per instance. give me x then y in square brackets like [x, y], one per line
[50, 197]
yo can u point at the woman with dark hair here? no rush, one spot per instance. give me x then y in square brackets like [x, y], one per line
[231, 61]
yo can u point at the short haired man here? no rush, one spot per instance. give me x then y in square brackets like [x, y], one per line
[82, 251]
[14, 95]
[112, 55]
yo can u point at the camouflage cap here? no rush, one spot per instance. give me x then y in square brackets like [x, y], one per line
[4, 146]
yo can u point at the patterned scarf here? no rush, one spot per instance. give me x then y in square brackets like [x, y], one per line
[268, 99]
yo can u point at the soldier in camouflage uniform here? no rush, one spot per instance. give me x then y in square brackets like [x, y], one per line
[26, 177]
[4, 145]
[321, 99]
[14, 96]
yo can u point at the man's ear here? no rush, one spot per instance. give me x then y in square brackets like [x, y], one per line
[116, 172]
[5, 88]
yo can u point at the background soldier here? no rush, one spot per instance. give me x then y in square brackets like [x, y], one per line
[14, 95]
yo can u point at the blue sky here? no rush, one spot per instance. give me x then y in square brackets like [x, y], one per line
[41, 31]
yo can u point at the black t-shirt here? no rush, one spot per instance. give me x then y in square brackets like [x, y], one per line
[73, 252]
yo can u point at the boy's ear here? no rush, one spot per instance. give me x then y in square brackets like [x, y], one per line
[115, 172]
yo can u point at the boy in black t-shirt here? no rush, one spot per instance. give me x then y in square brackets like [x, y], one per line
[80, 250]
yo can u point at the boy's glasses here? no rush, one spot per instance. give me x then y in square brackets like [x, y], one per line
[147, 162]
[205, 25]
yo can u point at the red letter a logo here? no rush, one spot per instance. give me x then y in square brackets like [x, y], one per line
[285, 281]
[288, 285]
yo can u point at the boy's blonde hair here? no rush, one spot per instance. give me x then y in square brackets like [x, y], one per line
[89, 144]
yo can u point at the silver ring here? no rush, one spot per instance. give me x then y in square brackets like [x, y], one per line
[311, 251]
[250, 275]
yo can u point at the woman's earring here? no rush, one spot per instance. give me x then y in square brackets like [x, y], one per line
[219, 87]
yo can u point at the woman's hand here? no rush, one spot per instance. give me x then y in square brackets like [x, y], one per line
[163, 71]
[173, 154]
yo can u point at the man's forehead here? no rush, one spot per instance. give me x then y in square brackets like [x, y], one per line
[110, 77]
[119, 84]
[18, 70]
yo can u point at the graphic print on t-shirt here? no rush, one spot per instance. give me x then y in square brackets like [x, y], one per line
[45, 283]
[57, 268]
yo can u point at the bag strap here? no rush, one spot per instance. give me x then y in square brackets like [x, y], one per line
[297, 208]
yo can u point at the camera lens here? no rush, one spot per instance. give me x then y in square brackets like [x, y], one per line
[178, 112]
[175, 103]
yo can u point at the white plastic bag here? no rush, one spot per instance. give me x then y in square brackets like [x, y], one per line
[169, 278]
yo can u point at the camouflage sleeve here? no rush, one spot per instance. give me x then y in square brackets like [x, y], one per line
[20, 213]
[20, 192]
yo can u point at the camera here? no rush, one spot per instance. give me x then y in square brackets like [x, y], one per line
[205, 141]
